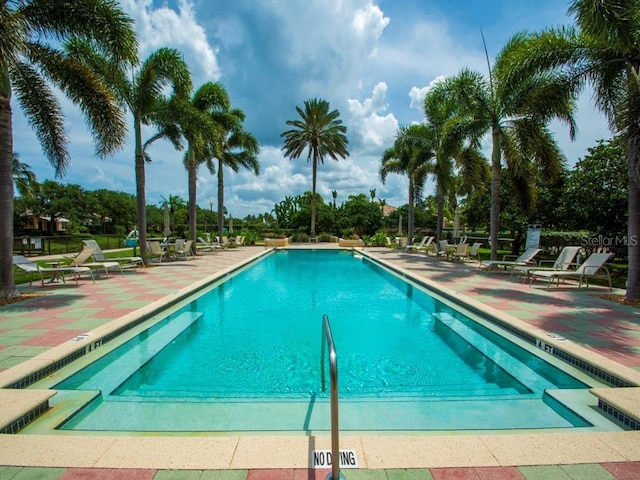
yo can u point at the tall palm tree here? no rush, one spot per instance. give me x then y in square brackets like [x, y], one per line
[141, 91]
[603, 50]
[322, 134]
[455, 148]
[412, 154]
[31, 64]
[239, 149]
[198, 121]
[517, 115]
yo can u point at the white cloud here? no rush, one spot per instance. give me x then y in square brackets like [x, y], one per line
[375, 130]
[165, 27]
[417, 94]
[368, 24]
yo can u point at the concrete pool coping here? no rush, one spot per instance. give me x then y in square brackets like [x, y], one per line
[196, 451]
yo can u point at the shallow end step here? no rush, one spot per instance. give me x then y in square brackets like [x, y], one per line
[19, 407]
[623, 404]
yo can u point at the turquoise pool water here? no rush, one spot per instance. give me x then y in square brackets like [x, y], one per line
[245, 356]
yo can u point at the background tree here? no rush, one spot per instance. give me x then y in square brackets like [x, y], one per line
[321, 133]
[239, 150]
[24, 178]
[142, 91]
[602, 50]
[411, 155]
[359, 213]
[596, 191]
[517, 114]
[31, 64]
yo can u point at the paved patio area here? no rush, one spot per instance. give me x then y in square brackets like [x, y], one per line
[32, 328]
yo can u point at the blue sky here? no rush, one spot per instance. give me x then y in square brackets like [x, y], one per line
[372, 60]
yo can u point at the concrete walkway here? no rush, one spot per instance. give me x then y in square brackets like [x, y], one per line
[31, 329]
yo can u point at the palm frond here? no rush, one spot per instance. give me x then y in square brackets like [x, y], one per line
[43, 112]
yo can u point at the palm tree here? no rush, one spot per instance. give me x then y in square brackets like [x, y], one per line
[141, 92]
[604, 50]
[31, 63]
[455, 149]
[24, 178]
[517, 115]
[410, 155]
[198, 121]
[322, 134]
[239, 149]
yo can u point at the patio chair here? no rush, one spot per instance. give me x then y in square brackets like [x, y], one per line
[562, 262]
[99, 256]
[32, 268]
[82, 260]
[592, 267]
[525, 259]
[444, 248]
[156, 250]
[461, 252]
[474, 251]
[183, 249]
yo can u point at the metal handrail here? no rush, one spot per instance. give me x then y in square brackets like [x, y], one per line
[333, 371]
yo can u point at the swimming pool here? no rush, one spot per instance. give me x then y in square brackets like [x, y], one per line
[245, 356]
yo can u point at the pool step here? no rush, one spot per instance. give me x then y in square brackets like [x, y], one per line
[521, 372]
[121, 368]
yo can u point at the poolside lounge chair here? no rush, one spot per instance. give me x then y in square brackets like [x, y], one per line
[203, 246]
[592, 267]
[99, 256]
[419, 246]
[32, 268]
[562, 262]
[82, 260]
[525, 259]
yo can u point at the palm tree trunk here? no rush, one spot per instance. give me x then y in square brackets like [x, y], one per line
[411, 212]
[494, 222]
[220, 201]
[313, 195]
[439, 211]
[7, 283]
[192, 173]
[141, 201]
[633, 234]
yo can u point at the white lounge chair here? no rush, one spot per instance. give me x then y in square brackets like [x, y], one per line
[99, 256]
[32, 268]
[592, 267]
[419, 246]
[525, 259]
[562, 262]
[82, 260]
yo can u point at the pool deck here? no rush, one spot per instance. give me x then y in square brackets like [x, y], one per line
[39, 331]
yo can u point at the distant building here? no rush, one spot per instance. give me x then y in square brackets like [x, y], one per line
[388, 210]
[38, 222]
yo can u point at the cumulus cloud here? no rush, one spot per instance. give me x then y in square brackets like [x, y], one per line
[417, 94]
[165, 27]
[374, 129]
